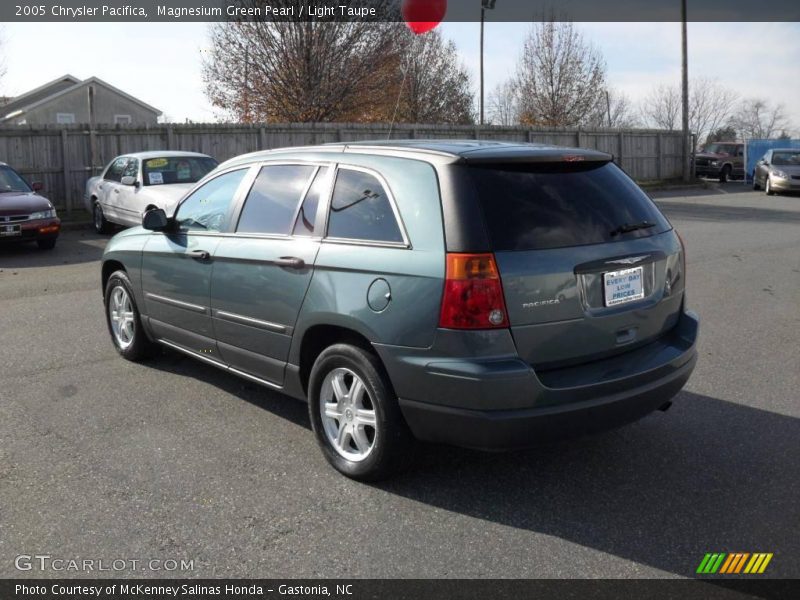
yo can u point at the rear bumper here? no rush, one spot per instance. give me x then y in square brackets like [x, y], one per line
[554, 405]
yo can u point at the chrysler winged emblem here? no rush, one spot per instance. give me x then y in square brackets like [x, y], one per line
[627, 261]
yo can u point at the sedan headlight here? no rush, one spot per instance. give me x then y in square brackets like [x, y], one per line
[780, 174]
[43, 214]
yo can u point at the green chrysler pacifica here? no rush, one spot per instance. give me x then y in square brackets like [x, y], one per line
[487, 295]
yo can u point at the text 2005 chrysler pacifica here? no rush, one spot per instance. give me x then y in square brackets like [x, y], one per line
[480, 294]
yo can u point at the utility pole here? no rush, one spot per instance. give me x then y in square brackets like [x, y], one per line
[685, 90]
[485, 5]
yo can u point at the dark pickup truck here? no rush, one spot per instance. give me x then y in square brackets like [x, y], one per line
[720, 160]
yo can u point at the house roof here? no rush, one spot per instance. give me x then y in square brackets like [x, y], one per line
[77, 83]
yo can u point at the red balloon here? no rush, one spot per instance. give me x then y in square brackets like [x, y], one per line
[423, 15]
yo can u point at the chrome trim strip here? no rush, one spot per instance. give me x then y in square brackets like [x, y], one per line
[349, 242]
[205, 359]
[220, 365]
[177, 303]
[242, 320]
[274, 386]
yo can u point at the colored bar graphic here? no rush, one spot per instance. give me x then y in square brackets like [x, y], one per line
[766, 562]
[732, 558]
[733, 563]
[741, 562]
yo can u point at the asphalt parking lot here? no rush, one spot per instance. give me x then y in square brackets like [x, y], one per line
[172, 459]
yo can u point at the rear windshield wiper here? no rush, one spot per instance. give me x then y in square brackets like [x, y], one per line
[627, 228]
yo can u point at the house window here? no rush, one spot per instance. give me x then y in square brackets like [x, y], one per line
[122, 119]
[65, 118]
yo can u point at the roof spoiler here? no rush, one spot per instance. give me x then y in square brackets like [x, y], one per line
[566, 155]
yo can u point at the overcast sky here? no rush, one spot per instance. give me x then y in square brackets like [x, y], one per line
[160, 62]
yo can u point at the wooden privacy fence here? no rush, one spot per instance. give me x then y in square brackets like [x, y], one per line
[63, 157]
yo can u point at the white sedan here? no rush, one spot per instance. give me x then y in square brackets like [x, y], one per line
[132, 184]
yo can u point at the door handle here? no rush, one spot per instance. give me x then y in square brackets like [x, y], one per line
[198, 254]
[290, 262]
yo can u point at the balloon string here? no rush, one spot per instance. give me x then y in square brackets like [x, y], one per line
[402, 85]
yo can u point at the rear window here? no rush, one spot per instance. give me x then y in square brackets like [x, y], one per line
[556, 205]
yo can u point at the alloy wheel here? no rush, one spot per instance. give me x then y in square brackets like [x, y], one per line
[348, 414]
[121, 316]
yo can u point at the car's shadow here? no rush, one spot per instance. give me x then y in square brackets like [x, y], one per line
[707, 476]
[721, 213]
[72, 247]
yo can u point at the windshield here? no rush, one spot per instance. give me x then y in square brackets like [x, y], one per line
[555, 205]
[786, 159]
[726, 149]
[176, 169]
[11, 181]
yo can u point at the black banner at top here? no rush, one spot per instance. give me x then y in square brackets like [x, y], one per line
[393, 10]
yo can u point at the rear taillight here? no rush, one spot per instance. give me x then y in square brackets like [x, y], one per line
[683, 253]
[473, 293]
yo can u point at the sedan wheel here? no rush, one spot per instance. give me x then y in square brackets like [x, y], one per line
[768, 187]
[756, 186]
[101, 225]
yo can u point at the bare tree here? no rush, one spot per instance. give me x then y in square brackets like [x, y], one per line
[503, 104]
[759, 119]
[301, 71]
[436, 87]
[615, 110]
[560, 76]
[661, 108]
[710, 106]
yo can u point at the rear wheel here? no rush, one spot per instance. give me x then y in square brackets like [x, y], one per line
[123, 319]
[46, 243]
[101, 225]
[725, 174]
[355, 414]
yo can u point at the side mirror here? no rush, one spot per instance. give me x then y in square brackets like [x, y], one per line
[155, 219]
[129, 180]
[37, 186]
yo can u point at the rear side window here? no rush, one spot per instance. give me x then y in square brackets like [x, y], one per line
[557, 205]
[361, 210]
[272, 202]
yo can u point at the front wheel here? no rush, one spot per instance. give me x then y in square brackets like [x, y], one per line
[101, 225]
[355, 414]
[725, 174]
[46, 243]
[755, 181]
[123, 319]
[768, 187]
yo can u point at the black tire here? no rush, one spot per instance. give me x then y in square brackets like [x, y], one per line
[393, 444]
[46, 243]
[768, 187]
[140, 346]
[725, 174]
[101, 225]
[756, 186]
